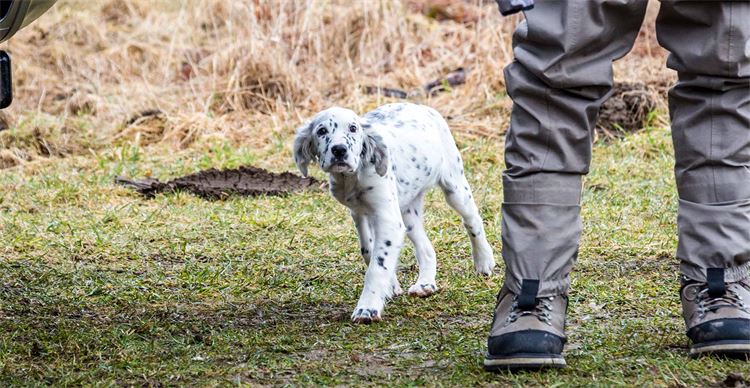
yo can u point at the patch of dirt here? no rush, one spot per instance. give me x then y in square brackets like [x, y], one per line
[733, 380]
[219, 184]
[626, 110]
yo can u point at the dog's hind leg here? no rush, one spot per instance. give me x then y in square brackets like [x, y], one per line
[458, 194]
[425, 253]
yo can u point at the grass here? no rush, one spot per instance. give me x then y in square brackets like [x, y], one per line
[100, 286]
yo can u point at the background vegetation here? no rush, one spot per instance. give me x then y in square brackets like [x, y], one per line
[101, 286]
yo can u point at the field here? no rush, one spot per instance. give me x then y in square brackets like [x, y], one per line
[100, 286]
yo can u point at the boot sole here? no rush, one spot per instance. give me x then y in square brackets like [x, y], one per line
[524, 361]
[734, 349]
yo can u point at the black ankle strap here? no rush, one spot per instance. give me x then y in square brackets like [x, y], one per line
[529, 290]
[715, 280]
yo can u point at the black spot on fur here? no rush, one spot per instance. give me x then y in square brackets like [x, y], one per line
[387, 243]
[369, 188]
[409, 228]
[376, 115]
[413, 159]
[381, 262]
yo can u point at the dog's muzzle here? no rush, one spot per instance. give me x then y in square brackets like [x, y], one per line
[340, 159]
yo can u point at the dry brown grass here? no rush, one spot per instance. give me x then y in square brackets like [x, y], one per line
[250, 71]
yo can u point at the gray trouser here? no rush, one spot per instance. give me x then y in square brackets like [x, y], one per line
[561, 75]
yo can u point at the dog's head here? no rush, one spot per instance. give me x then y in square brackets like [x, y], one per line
[341, 142]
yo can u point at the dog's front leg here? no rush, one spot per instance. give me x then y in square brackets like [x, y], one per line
[380, 278]
[365, 235]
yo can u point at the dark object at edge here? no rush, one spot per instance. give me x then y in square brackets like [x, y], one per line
[509, 7]
[6, 80]
[15, 15]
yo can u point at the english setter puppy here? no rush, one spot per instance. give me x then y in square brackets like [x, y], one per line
[380, 166]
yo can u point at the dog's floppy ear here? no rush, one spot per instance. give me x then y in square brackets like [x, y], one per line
[303, 148]
[374, 151]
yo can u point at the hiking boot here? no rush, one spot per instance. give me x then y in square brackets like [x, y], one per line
[527, 332]
[717, 315]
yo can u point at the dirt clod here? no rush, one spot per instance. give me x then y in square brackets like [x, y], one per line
[735, 380]
[143, 115]
[387, 92]
[218, 184]
[454, 78]
[626, 110]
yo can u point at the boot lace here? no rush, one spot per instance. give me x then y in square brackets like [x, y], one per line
[706, 303]
[542, 311]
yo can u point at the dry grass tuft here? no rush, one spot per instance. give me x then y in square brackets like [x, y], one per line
[247, 71]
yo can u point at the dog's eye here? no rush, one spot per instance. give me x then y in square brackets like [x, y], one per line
[322, 131]
[352, 127]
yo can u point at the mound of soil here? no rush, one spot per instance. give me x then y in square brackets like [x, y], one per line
[735, 380]
[626, 110]
[218, 184]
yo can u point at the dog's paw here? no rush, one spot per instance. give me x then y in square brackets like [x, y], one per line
[397, 291]
[422, 290]
[366, 315]
[484, 267]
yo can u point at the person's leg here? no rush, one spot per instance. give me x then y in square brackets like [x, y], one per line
[709, 106]
[561, 75]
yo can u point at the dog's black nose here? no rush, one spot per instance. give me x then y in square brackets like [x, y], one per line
[339, 151]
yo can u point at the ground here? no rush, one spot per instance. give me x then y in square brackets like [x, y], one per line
[101, 286]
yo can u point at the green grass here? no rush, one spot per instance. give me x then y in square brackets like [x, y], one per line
[100, 286]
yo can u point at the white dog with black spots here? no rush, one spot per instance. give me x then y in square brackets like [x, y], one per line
[380, 166]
